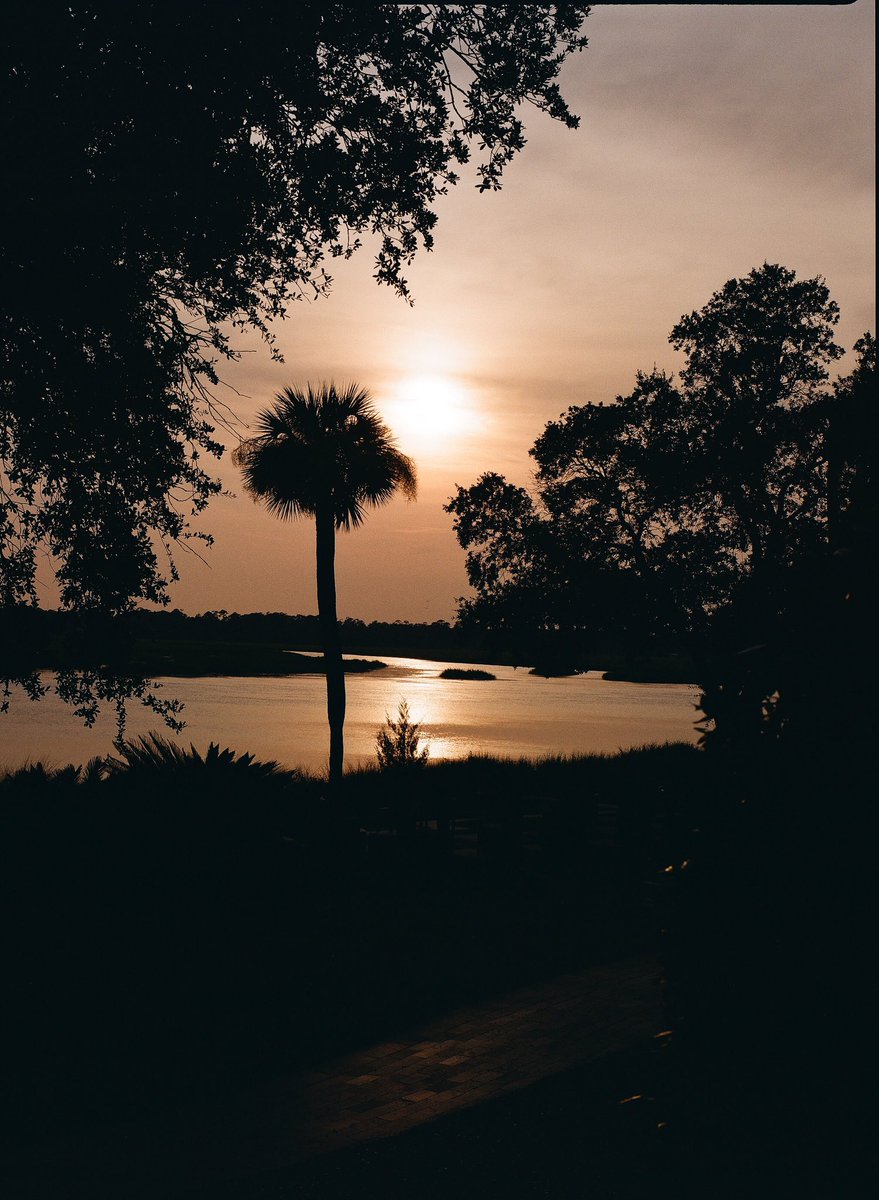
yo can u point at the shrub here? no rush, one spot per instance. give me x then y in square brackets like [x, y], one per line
[397, 745]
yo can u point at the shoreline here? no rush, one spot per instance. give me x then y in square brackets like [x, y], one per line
[206, 659]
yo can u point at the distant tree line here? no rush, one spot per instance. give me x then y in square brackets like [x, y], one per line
[28, 630]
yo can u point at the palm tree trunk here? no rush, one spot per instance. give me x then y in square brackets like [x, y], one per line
[329, 628]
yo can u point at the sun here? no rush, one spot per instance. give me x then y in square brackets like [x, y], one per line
[429, 413]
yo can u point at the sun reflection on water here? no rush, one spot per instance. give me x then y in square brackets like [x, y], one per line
[514, 715]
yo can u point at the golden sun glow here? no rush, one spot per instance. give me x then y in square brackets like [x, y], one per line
[430, 413]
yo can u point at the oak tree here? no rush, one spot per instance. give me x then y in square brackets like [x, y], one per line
[176, 171]
[651, 512]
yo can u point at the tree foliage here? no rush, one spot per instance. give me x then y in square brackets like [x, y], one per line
[757, 358]
[176, 171]
[324, 451]
[852, 445]
[398, 744]
[653, 513]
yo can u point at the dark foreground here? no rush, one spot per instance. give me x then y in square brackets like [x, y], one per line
[273, 1137]
[184, 934]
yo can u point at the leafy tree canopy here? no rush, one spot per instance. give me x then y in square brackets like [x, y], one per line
[175, 169]
[651, 511]
[324, 451]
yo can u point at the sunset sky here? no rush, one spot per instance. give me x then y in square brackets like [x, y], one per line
[712, 139]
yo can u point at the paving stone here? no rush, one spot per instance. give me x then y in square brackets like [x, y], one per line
[414, 1066]
[391, 1061]
[390, 1111]
[385, 1050]
[442, 1086]
[475, 1076]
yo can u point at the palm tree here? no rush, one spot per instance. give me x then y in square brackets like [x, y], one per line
[325, 454]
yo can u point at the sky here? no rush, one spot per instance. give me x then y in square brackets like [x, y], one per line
[712, 139]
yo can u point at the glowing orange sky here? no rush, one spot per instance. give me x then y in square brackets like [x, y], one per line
[712, 139]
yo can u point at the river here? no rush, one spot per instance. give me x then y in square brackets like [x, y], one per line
[517, 714]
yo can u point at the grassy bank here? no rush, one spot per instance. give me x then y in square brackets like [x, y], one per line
[232, 658]
[199, 658]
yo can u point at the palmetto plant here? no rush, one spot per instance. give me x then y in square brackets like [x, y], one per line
[154, 753]
[325, 453]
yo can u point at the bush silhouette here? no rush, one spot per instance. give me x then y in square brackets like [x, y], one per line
[398, 744]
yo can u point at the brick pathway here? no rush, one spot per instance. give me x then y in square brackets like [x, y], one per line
[465, 1057]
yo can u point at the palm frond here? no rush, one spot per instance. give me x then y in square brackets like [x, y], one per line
[323, 446]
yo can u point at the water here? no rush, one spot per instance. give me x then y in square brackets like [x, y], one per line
[285, 718]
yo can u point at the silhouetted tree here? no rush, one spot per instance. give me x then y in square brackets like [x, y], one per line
[852, 431]
[614, 542]
[176, 170]
[757, 358]
[667, 506]
[398, 744]
[325, 454]
[617, 483]
[763, 681]
[511, 558]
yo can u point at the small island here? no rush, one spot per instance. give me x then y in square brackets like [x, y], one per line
[461, 673]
